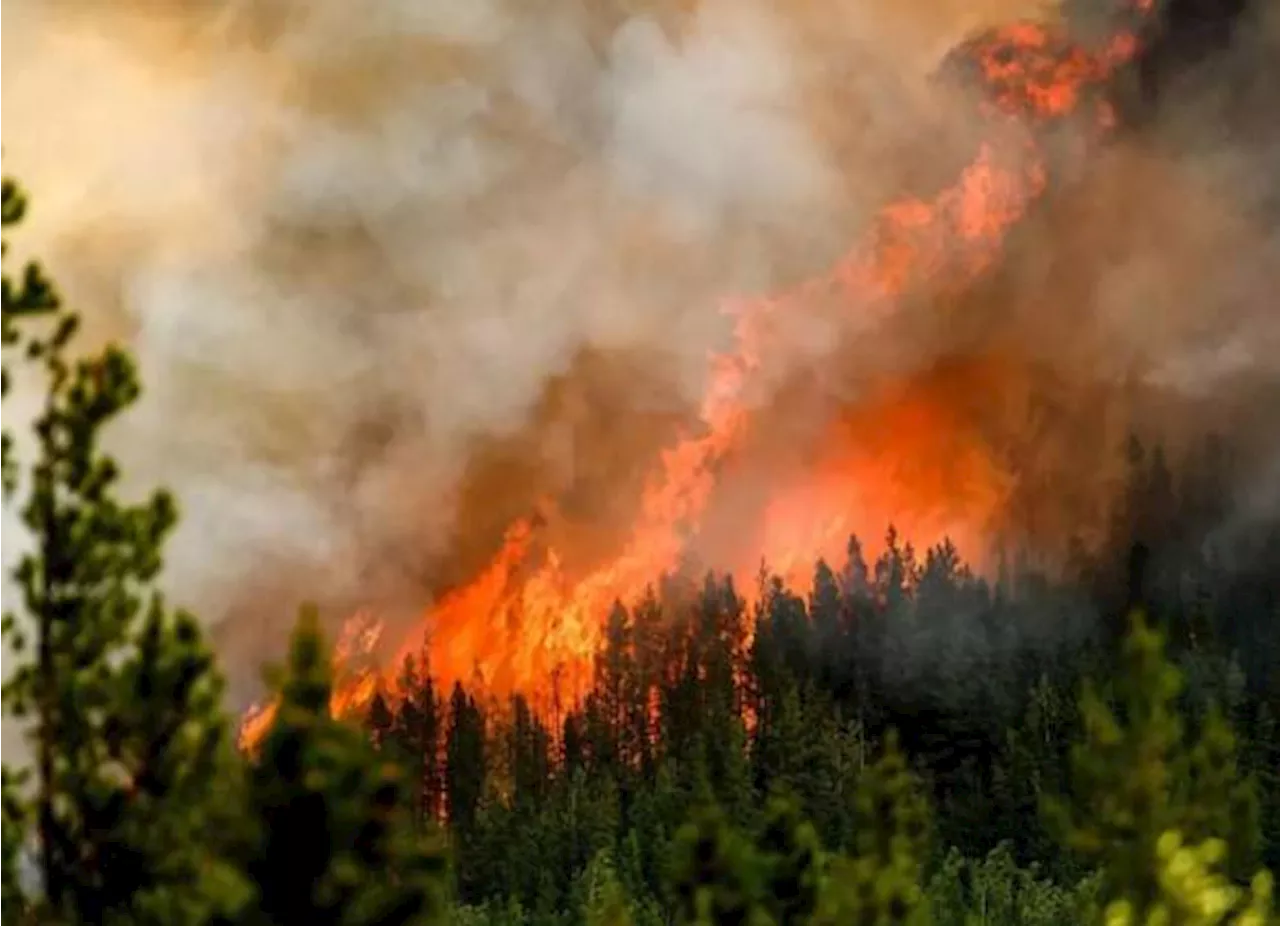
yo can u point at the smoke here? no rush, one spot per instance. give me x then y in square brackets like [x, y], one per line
[1155, 274]
[395, 273]
[353, 248]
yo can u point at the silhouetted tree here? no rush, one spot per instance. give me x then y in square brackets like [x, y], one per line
[334, 841]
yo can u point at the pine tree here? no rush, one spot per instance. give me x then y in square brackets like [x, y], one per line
[794, 864]
[1263, 753]
[531, 758]
[826, 609]
[133, 777]
[32, 296]
[646, 677]
[1191, 891]
[614, 673]
[1135, 786]
[880, 882]
[1032, 765]
[380, 720]
[334, 841]
[604, 901]
[717, 875]
[1223, 803]
[415, 737]
[469, 769]
[607, 900]
[465, 760]
[866, 635]
[1125, 779]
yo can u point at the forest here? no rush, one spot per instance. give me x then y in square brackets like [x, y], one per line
[902, 741]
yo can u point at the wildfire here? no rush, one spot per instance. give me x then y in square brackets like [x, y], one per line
[528, 623]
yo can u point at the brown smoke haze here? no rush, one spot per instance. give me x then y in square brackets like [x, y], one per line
[396, 271]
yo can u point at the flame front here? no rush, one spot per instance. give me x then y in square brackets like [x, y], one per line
[526, 623]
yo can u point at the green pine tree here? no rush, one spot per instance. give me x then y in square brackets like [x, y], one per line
[1192, 891]
[881, 883]
[1128, 775]
[605, 900]
[1223, 802]
[1135, 785]
[132, 769]
[717, 875]
[606, 904]
[335, 843]
[793, 862]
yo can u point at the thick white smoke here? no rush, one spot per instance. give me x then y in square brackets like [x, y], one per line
[353, 246]
[350, 243]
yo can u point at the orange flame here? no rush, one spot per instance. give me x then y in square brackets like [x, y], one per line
[525, 620]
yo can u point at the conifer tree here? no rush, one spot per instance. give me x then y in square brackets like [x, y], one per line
[826, 608]
[1135, 786]
[646, 634]
[132, 774]
[415, 735]
[334, 841]
[793, 863]
[1223, 802]
[1128, 776]
[613, 680]
[605, 901]
[530, 757]
[465, 760]
[881, 882]
[892, 814]
[1191, 891]
[717, 875]
[379, 720]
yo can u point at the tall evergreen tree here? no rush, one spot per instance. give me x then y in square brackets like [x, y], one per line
[613, 682]
[334, 841]
[1133, 781]
[465, 760]
[880, 882]
[530, 758]
[1223, 802]
[793, 862]
[604, 901]
[380, 720]
[1191, 891]
[132, 776]
[415, 738]
[718, 875]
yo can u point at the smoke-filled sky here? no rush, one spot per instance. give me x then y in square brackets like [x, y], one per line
[395, 271]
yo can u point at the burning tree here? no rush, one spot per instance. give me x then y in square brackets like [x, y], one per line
[528, 617]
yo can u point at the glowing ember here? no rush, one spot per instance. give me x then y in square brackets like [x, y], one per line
[525, 623]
